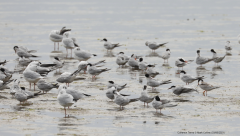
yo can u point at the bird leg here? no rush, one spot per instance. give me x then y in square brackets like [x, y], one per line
[65, 112]
[67, 52]
[160, 110]
[54, 46]
[58, 45]
[204, 93]
[71, 53]
[156, 110]
[30, 85]
[144, 104]
[34, 85]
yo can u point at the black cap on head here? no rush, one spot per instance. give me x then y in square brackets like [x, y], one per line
[167, 49]
[181, 60]
[199, 80]
[146, 75]
[198, 51]
[172, 87]
[132, 55]
[121, 52]
[89, 64]
[183, 72]
[150, 65]
[23, 88]
[141, 59]
[212, 50]
[111, 82]
[104, 39]
[2, 69]
[15, 47]
[56, 58]
[144, 87]
[157, 98]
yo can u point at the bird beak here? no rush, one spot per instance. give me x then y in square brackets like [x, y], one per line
[186, 61]
[135, 58]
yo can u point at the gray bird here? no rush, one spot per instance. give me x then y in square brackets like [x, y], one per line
[4, 76]
[122, 59]
[145, 97]
[121, 100]
[160, 104]
[56, 36]
[187, 78]
[182, 89]
[67, 77]
[82, 55]
[151, 71]
[69, 43]
[24, 61]
[23, 53]
[118, 87]
[228, 47]
[111, 93]
[166, 55]
[46, 86]
[180, 62]
[3, 85]
[83, 65]
[202, 60]
[154, 83]
[92, 70]
[15, 87]
[206, 87]
[133, 61]
[154, 45]
[108, 45]
[217, 59]
[58, 62]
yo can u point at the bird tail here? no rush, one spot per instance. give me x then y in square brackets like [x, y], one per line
[94, 54]
[34, 56]
[105, 70]
[9, 81]
[125, 94]
[87, 94]
[162, 44]
[170, 105]
[133, 100]
[32, 51]
[55, 85]
[37, 93]
[99, 62]
[166, 82]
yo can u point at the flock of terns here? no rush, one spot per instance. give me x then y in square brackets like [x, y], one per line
[35, 73]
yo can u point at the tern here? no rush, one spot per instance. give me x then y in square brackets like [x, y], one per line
[133, 61]
[189, 79]
[22, 53]
[217, 59]
[83, 65]
[122, 59]
[68, 77]
[166, 55]
[206, 87]
[118, 87]
[228, 47]
[154, 45]
[182, 89]
[3, 85]
[111, 93]
[121, 100]
[92, 70]
[151, 71]
[182, 62]
[202, 60]
[145, 97]
[46, 86]
[154, 83]
[160, 104]
[82, 55]
[108, 45]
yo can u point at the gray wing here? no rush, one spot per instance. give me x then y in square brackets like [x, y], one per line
[56, 36]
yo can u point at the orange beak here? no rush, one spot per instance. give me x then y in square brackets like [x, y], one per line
[186, 61]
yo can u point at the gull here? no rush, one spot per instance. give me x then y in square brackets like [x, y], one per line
[206, 87]
[228, 47]
[46, 86]
[217, 59]
[109, 45]
[122, 59]
[150, 70]
[145, 97]
[121, 100]
[4, 76]
[31, 76]
[24, 61]
[75, 93]
[189, 79]
[67, 77]
[154, 45]
[57, 36]
[65, 99]
[3, 85]
[92, 70]
[111, 93]
[166, 55]
[182, 89]
[118, 87]
[82, 55]
[160, 104]
[69, 43]
[23, 53]
[182, 62]
[133, 62]
[154, 83]
[83, 65]
[202, 60]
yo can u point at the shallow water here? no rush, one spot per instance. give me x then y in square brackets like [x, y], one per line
[186, 25]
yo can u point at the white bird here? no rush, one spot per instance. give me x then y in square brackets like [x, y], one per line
[160, 104]
[154, 45]
[92, 70]
[133, 61]
[121, 100]
[118, 87]
[182, 89]
[31, 76]
[69, 43]
[166, 55]
[202, 60]
[111, 93]
[68, 77]
[82, 55]
[109, 45]
[180, 62]
[46, 86]
[65, 99]
[122, 59]
[56, 36]
[206, 87]
[187, 78]
[217, 59]
[145, 97]
[154, 83]
[228, 47]
[22, 53]
[83, 65]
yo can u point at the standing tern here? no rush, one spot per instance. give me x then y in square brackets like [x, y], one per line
[65, 99]
[118, 87]
[121, 100]
[108, 45]
[217, 59]
[154, 45]
[228, 47]
[46, 86]
[166, 55]
[151, 71]
[82, 55]
[15, 87]
[111, 93]
[181, 62]
[206, 87]
[83, 65]
[145, 97]
[22, 53]
[56, 36]
[92, 70]
[160, 104]
[182, 89]
[202, 60]
[67, 77]
[189, 79]
[122, 59]
[69, 43]
[154, 83]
